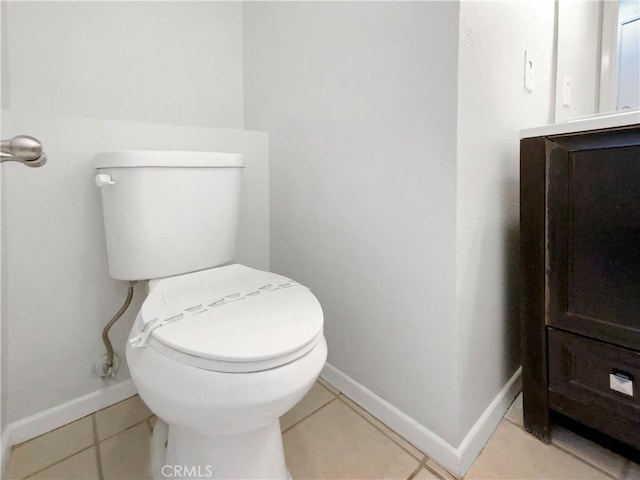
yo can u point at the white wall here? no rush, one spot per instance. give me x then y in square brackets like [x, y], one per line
[492, 107]
[164, 62]
[359, 99]
[58, 291]
[73, 75]
[578, 57]
[369, 194]
[394, 152]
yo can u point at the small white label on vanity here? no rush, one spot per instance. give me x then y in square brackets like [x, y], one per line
[621, 383]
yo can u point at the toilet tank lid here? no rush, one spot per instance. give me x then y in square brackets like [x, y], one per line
[167, 158]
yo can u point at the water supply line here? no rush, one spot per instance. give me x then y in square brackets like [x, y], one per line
[108, 369]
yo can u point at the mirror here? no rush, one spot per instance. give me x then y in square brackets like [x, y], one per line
[598, 57]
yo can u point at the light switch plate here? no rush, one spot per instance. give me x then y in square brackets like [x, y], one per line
[528, 71]
[566, 91]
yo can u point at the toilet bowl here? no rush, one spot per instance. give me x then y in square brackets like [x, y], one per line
[219, 352]
[229, 423]
[247, 346]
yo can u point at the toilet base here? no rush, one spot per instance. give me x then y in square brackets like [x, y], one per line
[248, 455]
[220, 425]
[159, 441]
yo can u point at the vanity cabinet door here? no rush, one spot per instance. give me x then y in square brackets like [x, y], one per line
[593, 235]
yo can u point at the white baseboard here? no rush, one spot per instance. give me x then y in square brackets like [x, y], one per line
[417, 434]
[43, 422]
[476, 438]
[455, 459]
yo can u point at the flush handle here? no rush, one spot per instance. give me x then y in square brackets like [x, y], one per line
[103, 179]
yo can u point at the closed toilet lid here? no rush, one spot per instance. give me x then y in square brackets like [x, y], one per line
[231, 319]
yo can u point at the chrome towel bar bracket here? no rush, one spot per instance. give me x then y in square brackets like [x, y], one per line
[23, 149]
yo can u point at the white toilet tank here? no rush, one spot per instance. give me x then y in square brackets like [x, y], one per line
[168, 212]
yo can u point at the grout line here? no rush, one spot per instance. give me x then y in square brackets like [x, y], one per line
[513, 423]
[96, 444]
[440, 475]
[100, 440]
[570, 453]
[73, 421]
[307, 416]
[592, 465]
[416, 470]
[58, 461]
[50, 431]
[431, 470]
[334, 395]
[379, 429]
[328, 386]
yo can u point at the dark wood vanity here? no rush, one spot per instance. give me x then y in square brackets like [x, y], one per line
[580, 250]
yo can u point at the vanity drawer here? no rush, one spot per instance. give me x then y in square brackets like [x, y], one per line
[581, 385]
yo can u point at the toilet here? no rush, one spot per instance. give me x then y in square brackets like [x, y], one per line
[218, 351]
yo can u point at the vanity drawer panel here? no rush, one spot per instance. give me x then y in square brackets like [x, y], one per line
[580, 383]
[580, 367]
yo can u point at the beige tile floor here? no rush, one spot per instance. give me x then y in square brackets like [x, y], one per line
[325, 436]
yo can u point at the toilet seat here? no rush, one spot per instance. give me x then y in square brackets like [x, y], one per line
[230, 319]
